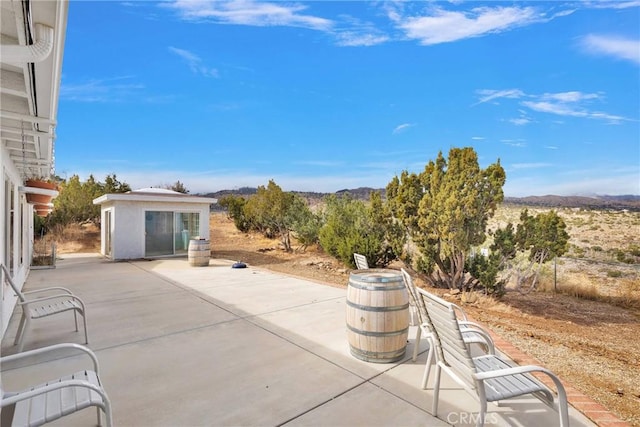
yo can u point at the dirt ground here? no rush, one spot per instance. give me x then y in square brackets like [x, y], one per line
[593, 346]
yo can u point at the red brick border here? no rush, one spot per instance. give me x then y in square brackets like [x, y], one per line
[583, 403]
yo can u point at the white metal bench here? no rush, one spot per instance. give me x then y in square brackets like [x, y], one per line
[488, 378]
[46, 402]
[361, 261]
[59, 300]
[472, 333]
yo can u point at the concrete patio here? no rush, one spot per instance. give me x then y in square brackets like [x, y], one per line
[190, 346]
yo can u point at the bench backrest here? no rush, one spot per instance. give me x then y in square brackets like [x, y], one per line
[7, 278]
[454, 352]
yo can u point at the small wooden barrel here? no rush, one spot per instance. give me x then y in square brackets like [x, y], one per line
[377, 315]
[199, 253]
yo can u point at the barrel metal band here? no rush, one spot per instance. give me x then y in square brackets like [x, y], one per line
[378, 309]
[377, 288]
[378, 334]
[377, 354]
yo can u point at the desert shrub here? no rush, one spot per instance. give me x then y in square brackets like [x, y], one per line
[351, 226]
[621, 256]
[274, 212]
[597, 248]
[628, 294]
[306, 227]
[235, 210]
[74, 204]
[485, 269]
[586, 291]
[577, 251]
[614, 273]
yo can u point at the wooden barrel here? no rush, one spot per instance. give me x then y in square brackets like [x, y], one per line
[377, 315]
[199, 253]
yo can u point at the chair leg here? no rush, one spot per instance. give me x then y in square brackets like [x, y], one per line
[84, 320]
[483, 412]
[27, 323]
[417, 343]
[75, 318]
[436, 391]
[20, 329]
[107, 412]
[427, 366]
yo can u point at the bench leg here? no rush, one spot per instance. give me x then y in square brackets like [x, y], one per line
[27, 323]
[417, 344]
[20, 329]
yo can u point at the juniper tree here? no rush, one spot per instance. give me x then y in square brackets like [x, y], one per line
[444, 211]
[274, 212]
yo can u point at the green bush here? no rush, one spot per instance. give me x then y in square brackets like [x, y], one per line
[352, 226]
[235, 210]
[614, 273]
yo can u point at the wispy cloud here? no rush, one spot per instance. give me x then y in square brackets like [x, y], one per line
[345, 30]
[524, 119]
[194, 62]
[572, 96]
[572, 110]
[352, 38]
[403, 127]
[478, 138]
[249, 12]
[487, 95]
[612, 4]
[570, 103]
[617, 47]
[520, 121]
[115, 89]
[519, 143]
[352, 31]
[442, 26]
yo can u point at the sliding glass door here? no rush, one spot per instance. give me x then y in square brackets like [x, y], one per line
[187, 227]
[158, 230]
[168, 233]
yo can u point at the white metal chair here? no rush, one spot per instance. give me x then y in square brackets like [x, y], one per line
[488, 377]
[61, 301]
[472, 333]
[38, 405]
[361, 261]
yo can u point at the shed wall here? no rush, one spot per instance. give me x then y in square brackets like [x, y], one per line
[128, 224]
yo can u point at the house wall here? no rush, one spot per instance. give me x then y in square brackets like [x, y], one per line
[14, 254]
[128, 224]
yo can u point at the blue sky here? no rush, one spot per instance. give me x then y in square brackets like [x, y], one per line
[327, 95]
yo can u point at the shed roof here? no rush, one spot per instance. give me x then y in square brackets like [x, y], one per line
[153, 195]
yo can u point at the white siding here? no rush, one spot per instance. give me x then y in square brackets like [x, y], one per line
[21, 258]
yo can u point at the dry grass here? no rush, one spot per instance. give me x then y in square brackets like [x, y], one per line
[75, 238]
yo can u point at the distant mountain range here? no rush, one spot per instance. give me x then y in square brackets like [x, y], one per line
[631, 202]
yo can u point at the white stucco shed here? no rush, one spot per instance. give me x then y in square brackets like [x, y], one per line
[151, 222]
